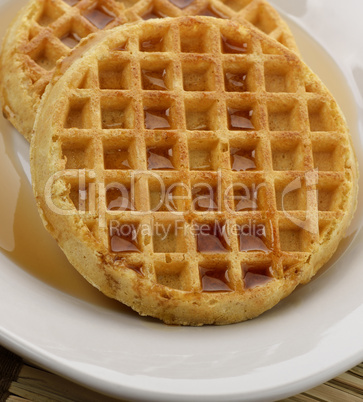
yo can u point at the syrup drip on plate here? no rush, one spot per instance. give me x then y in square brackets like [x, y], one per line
[24, 240]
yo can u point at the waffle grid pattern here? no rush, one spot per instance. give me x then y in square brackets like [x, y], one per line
[61, 24]
[283, 127]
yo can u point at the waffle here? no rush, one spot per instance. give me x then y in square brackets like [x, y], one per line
[46, 30]
[192, 168]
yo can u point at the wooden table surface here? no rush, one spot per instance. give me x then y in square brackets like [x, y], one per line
[22, 382]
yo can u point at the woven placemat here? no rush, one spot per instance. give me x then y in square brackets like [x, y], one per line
[22, 382]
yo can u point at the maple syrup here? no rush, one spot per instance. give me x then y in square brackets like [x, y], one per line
[245, 198]
[205, 198]
[254, 276]
[154, 80]
[182, 3]
[100, 16]
[119, 198]
[231, 46]
[153, 14]
[152, 45]
[118, 158]
[240, 119]
[121, 48]
[162, 201]
[242, 159]
[71, 2]
[71, 39]
[122, 263]
[253, 240]
[160, 158]
[157, 119]
[123, 239]
[139, 269]
[215, 280]
[211, 11]
[212, 238]
[235, 82]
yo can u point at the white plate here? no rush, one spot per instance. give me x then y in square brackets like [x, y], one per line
[54, 318]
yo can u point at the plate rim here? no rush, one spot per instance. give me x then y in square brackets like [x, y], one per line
[45, 360]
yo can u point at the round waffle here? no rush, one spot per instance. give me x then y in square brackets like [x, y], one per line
[46, 30]
[192, 168]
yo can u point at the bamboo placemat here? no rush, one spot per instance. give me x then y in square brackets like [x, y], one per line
[22, 382]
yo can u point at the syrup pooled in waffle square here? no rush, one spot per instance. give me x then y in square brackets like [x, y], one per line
[47, 30]
[193, 169]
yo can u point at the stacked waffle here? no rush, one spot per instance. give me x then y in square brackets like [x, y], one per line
[47, 30]
[193, 167]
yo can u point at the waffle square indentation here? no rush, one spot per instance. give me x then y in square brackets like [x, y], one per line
[119, 196]
[321, 116]
[169, 237]
[293, 238]
[290, 194]
[156, 76]
[283, 115]
[257, 274]
[242, 116]
[114, 74]
[215, 277]
[124, 237]
[194, 40]
[205, 195]
[100, 16]
[174, 275]
[198, 76]
[212, 238]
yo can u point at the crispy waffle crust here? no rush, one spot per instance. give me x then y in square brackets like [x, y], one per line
[259, 173]
[46, 30]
